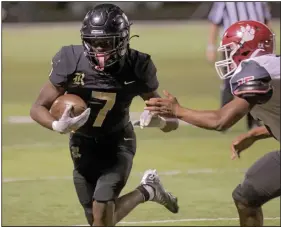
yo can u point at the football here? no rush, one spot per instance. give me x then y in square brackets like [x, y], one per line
[61, 102]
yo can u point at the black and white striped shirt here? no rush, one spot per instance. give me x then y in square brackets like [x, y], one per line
[228, 13]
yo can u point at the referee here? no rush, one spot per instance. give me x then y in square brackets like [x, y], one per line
[224, 14]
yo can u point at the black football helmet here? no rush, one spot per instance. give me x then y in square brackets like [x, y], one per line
[105, 35]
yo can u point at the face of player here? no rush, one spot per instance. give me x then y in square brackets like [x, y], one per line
[102, 50]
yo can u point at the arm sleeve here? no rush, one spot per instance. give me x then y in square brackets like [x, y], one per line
[61, 68]
[251, 82]
[216, 13]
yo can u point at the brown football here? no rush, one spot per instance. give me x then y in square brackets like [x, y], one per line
[60, 103]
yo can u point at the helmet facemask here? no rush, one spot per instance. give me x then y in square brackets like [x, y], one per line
[227, 66]
[104, 51]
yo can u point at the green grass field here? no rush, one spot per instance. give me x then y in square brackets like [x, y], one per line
[194, 164]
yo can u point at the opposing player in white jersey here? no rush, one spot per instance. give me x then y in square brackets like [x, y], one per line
[255, 82]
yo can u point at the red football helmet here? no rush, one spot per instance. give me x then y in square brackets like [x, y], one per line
[242, 40]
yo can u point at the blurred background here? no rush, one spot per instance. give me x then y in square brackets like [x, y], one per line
[75, 11]
[193, 163]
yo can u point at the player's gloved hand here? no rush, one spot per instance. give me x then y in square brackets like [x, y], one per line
[240, 144]
[67, 124]
[148, 119]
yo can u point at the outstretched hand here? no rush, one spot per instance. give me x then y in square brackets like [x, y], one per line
[166, 107]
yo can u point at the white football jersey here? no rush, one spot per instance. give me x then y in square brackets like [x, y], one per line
[259, 68]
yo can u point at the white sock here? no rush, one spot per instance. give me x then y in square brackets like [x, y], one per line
[150, 191]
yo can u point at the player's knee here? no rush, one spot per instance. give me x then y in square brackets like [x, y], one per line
[99, 211]
[103, 212]
[247, 195]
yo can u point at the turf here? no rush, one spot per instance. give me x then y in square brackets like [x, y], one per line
[195, 164]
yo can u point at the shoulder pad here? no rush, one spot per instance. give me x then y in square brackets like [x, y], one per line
[65, 61]
[144, 69]
[248, 71]
[255, 92]
[137, 58]
[63, 64]
[251, 82]
[270, 62]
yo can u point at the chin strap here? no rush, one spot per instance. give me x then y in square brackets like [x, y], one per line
[258, 52]
[133, 37]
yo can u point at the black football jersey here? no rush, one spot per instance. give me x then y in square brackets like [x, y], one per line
[109, 95]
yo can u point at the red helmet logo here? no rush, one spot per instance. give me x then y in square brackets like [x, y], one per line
[247, 33]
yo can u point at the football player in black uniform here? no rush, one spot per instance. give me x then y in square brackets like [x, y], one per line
[107, 74]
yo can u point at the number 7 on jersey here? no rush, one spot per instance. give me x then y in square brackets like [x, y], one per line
[110, 101]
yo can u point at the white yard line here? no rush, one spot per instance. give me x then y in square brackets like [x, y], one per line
[134, 174]
[183, 220]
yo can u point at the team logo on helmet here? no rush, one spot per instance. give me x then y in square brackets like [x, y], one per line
[247, 33]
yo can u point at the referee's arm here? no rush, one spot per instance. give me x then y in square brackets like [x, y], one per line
[215, 18]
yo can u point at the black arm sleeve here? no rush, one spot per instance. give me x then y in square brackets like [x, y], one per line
[63, 64]
[252, 82]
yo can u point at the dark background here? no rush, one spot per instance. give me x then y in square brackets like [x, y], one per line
[73, 11]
